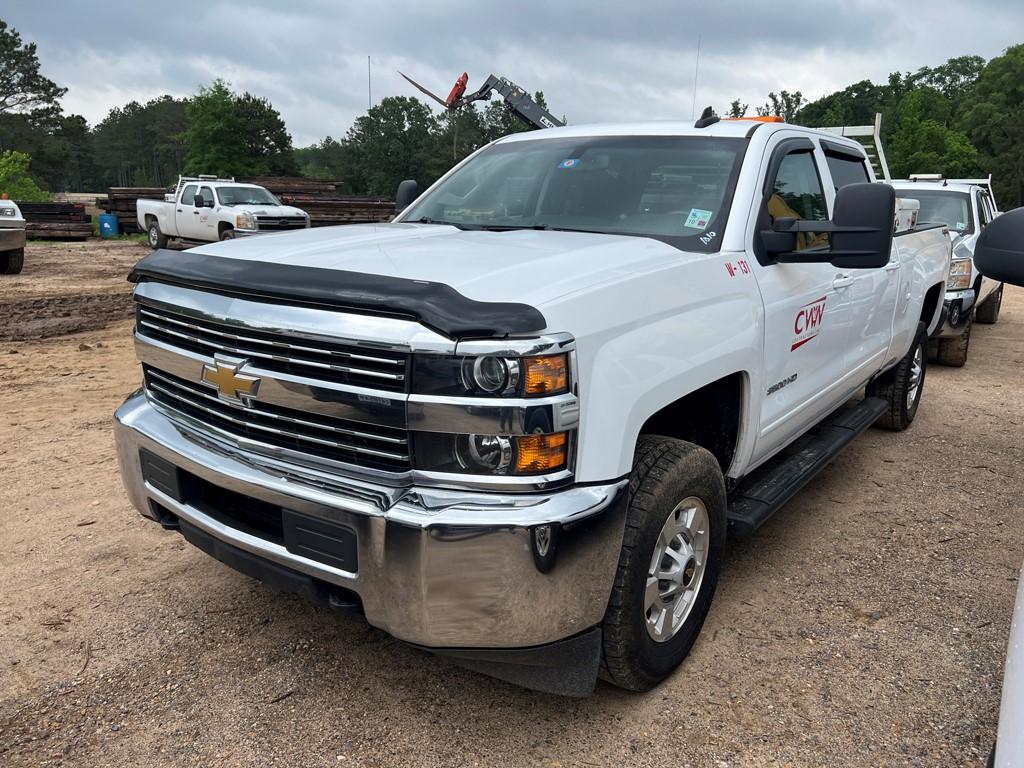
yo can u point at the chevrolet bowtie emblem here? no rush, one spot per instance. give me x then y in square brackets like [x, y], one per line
[229, 383]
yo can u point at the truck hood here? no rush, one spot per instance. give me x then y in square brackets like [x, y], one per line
[266, 210]
[529, 266]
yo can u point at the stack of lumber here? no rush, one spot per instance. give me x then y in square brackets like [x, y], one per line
[56, 221]
[320, 199]
[121, 202]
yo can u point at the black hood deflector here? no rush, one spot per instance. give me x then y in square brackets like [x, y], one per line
[435, 305]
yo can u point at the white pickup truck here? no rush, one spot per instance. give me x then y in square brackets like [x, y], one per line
[515, 425]
[206, 209]
[965, 206]
[12, 238]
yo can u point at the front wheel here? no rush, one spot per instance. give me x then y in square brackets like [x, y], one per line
[988, 312]
[227, 234]
[953, 351]
[903, 385]
[156, 238]
[672, 552]
[12, 262]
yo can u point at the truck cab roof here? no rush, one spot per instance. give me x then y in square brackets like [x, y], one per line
[751, 128]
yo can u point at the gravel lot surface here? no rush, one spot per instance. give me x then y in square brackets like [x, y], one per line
[864, 625]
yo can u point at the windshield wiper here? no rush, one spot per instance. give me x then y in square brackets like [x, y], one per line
[512, 227]
[457, 225]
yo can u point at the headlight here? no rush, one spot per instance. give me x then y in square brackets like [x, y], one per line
[491, 375]
[959, 275]
[245, 220]
[492, 454]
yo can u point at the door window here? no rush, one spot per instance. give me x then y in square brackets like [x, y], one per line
[207, 194]
[797, 194]
[983, 211]
[846, 170]
[188, 195]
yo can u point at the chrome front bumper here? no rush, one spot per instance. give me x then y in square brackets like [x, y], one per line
[438, 568]
[12, 238]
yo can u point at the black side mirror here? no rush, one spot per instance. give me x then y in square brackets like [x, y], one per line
[999, 252]
[197, 201]
[861, 231]
[408, 191]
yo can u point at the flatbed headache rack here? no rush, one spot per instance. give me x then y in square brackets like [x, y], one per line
[870, 137]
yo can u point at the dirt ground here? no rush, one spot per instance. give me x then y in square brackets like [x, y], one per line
[865, 625]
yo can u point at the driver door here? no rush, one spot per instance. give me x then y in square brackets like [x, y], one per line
[805, 305]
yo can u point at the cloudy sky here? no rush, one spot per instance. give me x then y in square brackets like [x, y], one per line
[594, 60]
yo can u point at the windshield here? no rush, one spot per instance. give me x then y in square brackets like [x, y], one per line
[673, 188]
[245, 196]
[950, 208]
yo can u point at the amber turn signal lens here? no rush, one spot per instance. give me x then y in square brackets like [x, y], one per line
[546, 375]
[541, 453]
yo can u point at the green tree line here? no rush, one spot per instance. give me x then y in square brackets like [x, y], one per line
[962, 118]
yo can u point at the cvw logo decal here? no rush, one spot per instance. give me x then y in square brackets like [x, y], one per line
[807, 324]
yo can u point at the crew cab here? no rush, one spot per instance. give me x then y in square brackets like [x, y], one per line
[515, 425]
[206, 209]
[12, 238]
[965, 206]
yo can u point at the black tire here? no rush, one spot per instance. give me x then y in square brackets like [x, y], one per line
[155, 237]
[227, 234]
[953, 351]
[894, 386]
[12, 262]
[665, 472]
[988, 311]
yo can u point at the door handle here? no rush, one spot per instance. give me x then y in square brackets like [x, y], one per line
[195, 213]
[842, 281]
[180, 210]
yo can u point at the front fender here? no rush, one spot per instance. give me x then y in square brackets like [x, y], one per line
[657, 338]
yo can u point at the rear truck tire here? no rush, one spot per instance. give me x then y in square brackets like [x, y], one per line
[12, 262]
[672, 552]
[155, 237]
[901, 386]
[227, 234]
[953, 351]
[988, 312]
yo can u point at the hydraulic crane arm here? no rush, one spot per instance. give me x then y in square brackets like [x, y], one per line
[518, 100]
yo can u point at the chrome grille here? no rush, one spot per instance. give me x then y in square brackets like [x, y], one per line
[279, 223]
[365, 445]
[277, 352]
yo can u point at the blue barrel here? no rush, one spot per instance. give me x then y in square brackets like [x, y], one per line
[108, 225]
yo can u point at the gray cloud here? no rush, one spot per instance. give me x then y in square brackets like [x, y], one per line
[594, 60]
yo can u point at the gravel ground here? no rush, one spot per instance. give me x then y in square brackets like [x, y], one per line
[864, 625]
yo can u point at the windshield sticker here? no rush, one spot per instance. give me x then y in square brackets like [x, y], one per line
[571, 163]
[959, 226]
[698, 219]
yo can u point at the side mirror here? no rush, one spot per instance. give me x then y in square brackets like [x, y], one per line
[999, 251]
[861, 231]
[408, 191]
[198, 201]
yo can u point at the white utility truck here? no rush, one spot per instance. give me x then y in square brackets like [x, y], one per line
[965, 206]
[206, 209]
[515, 425]
[12, 238]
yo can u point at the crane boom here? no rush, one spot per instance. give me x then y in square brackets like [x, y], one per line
[518, 100]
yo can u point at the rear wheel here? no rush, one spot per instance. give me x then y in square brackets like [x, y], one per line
[156, 238]
[988, 312]
[903, 385]
[12, 262]
[671, 556]
[953, 351]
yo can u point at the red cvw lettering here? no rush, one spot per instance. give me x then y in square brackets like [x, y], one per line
[801, 315]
